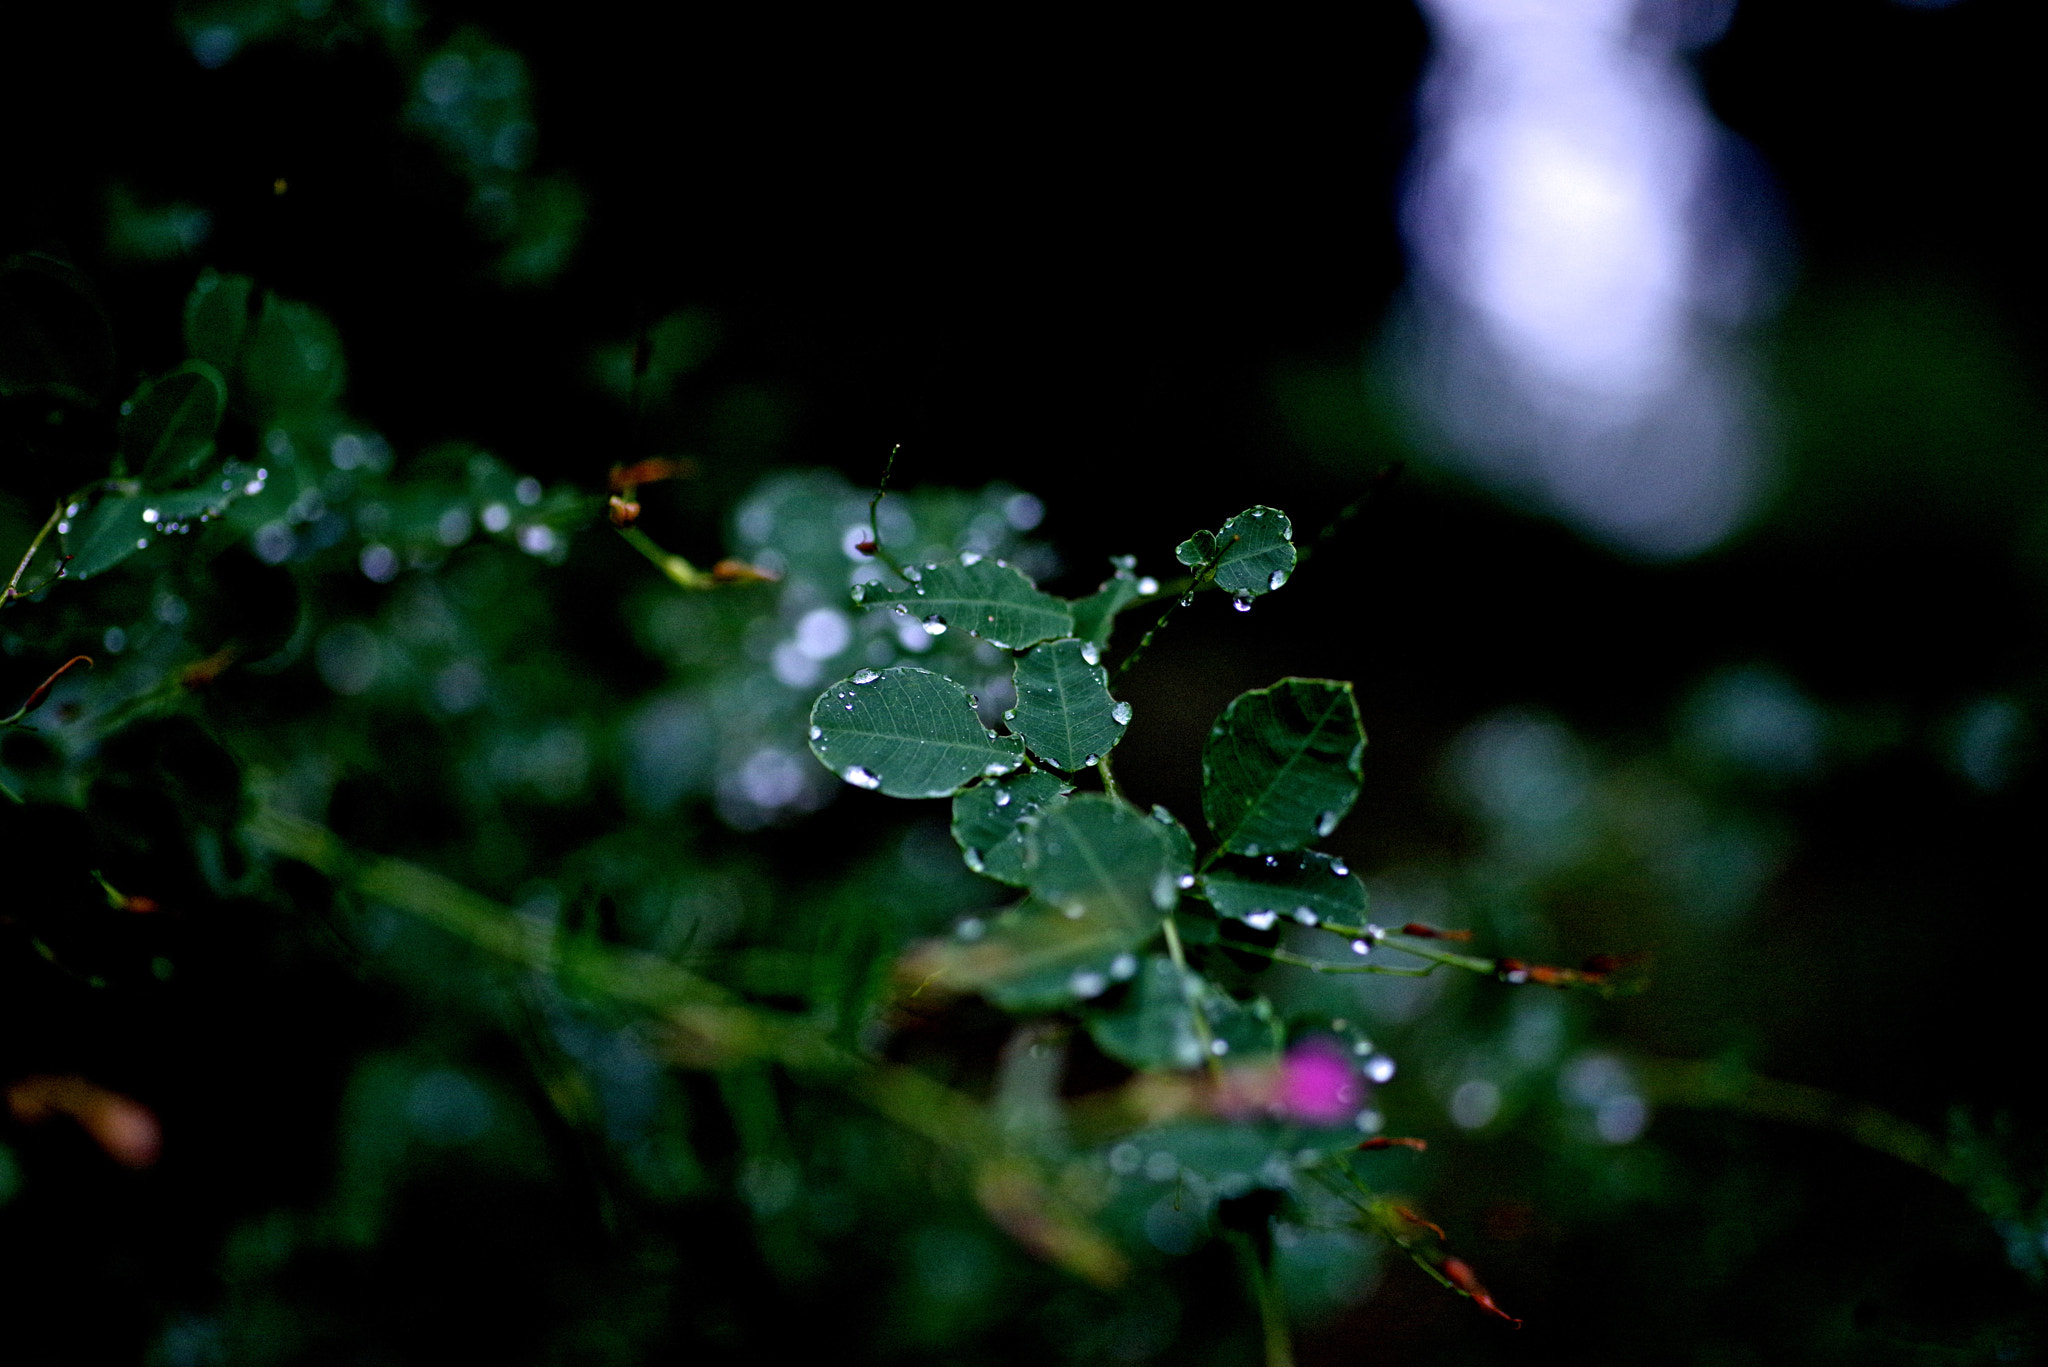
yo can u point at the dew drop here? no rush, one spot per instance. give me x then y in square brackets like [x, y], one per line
[141, 543]
[859, 777]
[1087, 983]
[1186, 599]
[1122, 713]
[865, 676]
[912, 573]
[1186, 881]
[1261, 920]
[1272, 861]
[935, 625]
[972, 858]
[1148, 585]
[1275, 580]
[1380, 1068]
[817, 733]
[1340, 868]
[1258, 512]
[860, 593]
[1091, 761]
[1307, 917]
[997, 768]
[1242, 602]
[1219, 1047]
[901, 611]
[1003, 799]
[1090, 653]
[970, 557]
[1326, 822]
[63, 529]
[149, 514]
[1010, 715]
[1361, 947]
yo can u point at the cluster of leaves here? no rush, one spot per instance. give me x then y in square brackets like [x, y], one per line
[1127, 926]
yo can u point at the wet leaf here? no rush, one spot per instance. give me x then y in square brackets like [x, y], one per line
[1064, 712]
[987, 821]
[986, 599]
[1281, 766]
[1155, 1026]
[1095, 615]
[906, 732]
[1094, 857]
[1257, 552]
[167, 429]
[119, 525]
[1308, 888]
[217, 319]
[291, 360]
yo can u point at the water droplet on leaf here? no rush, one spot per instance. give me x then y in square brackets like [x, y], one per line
[1090, 653]
[817, 733]
[970, 557]
[935, 625]
[865, 676]
[1326, 822]
[1187, 880]
[1306, 917]
[859, 777]
[1122, 713]
[1261, 920]
[1242, 602]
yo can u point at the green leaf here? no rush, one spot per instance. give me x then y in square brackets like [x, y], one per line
[291, 360]
[1099, 859]
[984, 598]
[119, 525]
[987, 821]
[1155, 1026]
[1095, 615]
[907, 732]
[1308, 887]
[1257, 552]
[1281, 766]
[167, 428]
[1064, 712]
[217, 318]
[1033, 957]
[1197, 550]
[1176, 834]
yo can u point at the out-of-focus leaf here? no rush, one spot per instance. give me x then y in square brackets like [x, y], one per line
[987, 821]
[291, 360]
[1064, 711]
[1034, 957]
[1183, 843]
[1155, 1026]
[983, 598]
[907, 732]
[1281, 766]
[1097, 858]
[217, 319]
[167, 428]
[53, 335]
[1095, 615]
[1306, 887]
[1196, 550]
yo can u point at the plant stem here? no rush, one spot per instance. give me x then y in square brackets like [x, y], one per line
[14, 584]
[874, 507]
[1179, 956]
[1272, 1315]
[1108, 778]
[679, 570]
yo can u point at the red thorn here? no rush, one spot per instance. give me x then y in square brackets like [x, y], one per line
[1390, 1141]
[1462, 1277]
[650, 471]
[1423, 932]
[1412, 1218]
[42, 692]
[865, 547]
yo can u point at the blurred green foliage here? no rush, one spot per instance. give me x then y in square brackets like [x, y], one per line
[457, 896]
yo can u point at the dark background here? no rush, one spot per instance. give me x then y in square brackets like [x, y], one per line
[1135, 265]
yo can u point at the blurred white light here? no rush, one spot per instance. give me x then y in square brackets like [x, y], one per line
[793, 668]
[822, 633]
[379, 563]
[1577, 274]
[1475, 1103]
[272, 542]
